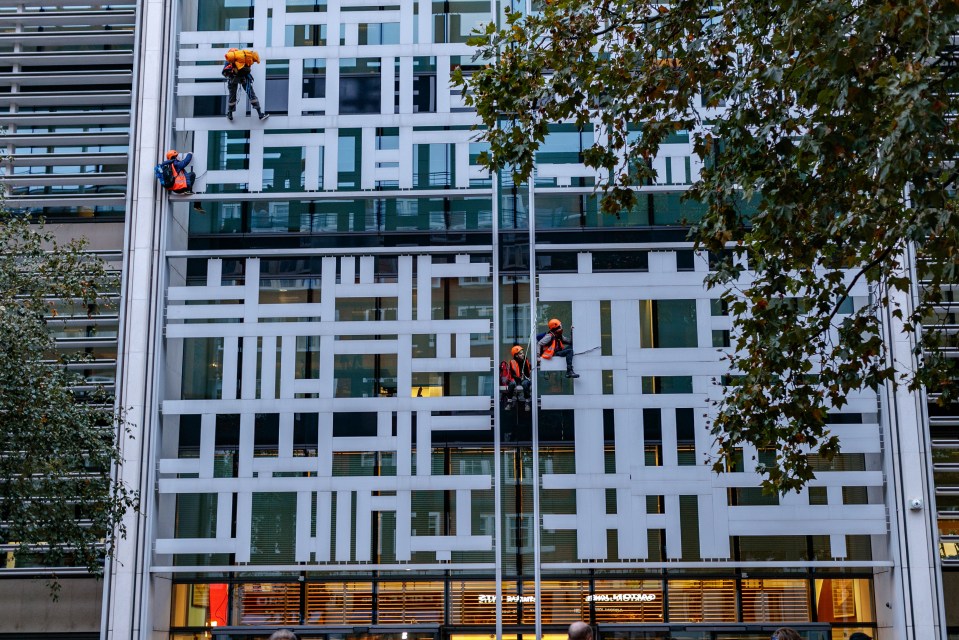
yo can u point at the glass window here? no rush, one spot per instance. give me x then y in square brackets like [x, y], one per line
[844, 600]
[306, 35]
[454, 21]
[360, 85]
[563, 602]
[619, 601]
[373, 33]
[339, 603]
[667, 323]
[750, 496]
[200, 605]
[365, 375]
[424, 87]
[564, 144]
[773, 600]
[267, 603]
[433, 166]
[202, 377]
[689, 526]
[348, 160]
[229, 150]
[686, 436]
[702, 601]
[629, 261]
[284, 169]
[224, 15]
[314, 78]
[653, 437]
[410, 602]
[195, 515]
[273, 528]
[276, 100]
[474, 602]
[305, 6]
[667, 384]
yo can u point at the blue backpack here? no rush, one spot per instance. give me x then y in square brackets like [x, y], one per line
[164, 174]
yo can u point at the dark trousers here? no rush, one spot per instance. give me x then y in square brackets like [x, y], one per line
[234, 83]
[566, 352]
[513, 390]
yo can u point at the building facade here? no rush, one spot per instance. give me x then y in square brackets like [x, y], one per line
[311, 362]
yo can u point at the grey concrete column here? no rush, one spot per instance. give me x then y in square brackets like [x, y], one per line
[909, 597]
[128, 582]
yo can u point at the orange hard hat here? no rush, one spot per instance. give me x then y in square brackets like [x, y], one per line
[171, 154]
[516, 349]
[554, 324]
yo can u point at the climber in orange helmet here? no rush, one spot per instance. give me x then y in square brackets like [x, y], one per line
[519, 386]
[239, 63]
[552, 343]
[183, 179]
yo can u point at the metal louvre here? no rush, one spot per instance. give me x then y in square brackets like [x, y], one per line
[64, 63]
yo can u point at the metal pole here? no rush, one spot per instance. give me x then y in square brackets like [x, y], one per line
[537, 573]
[497, 453]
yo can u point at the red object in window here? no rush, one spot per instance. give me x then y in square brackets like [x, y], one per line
[219, 604]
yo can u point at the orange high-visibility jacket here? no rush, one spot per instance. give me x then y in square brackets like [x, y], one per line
[179, 180]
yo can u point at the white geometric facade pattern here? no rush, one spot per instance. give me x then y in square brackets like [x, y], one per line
[633, 481]
[319, 62]
[263, 381]
[362, 94]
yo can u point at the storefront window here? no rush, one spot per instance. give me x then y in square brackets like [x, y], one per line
[200, 605]
[628, 601]
[775, 600]
[844, 600]
[702, 601]
[339, 603]
[266, 603]
[563, 602]
[410, 603]
[475, 602]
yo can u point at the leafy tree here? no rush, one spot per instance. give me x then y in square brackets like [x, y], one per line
[59, 504]
[826, 131]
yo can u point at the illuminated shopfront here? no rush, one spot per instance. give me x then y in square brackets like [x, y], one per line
[461, 608]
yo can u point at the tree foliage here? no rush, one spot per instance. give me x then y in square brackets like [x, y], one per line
[831, 119]
[59, 504]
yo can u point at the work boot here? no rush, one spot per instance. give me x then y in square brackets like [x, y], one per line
[229, 116]
[570, 373]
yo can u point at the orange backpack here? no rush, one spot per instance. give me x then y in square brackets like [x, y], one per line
[240, 58]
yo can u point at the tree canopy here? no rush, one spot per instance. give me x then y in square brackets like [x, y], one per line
[59, 445]
[828, 139]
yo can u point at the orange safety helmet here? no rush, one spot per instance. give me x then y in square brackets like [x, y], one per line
[171, 154]
[554, 324]
[515, 350]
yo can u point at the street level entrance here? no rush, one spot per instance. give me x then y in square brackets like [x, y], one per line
[356, 633]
